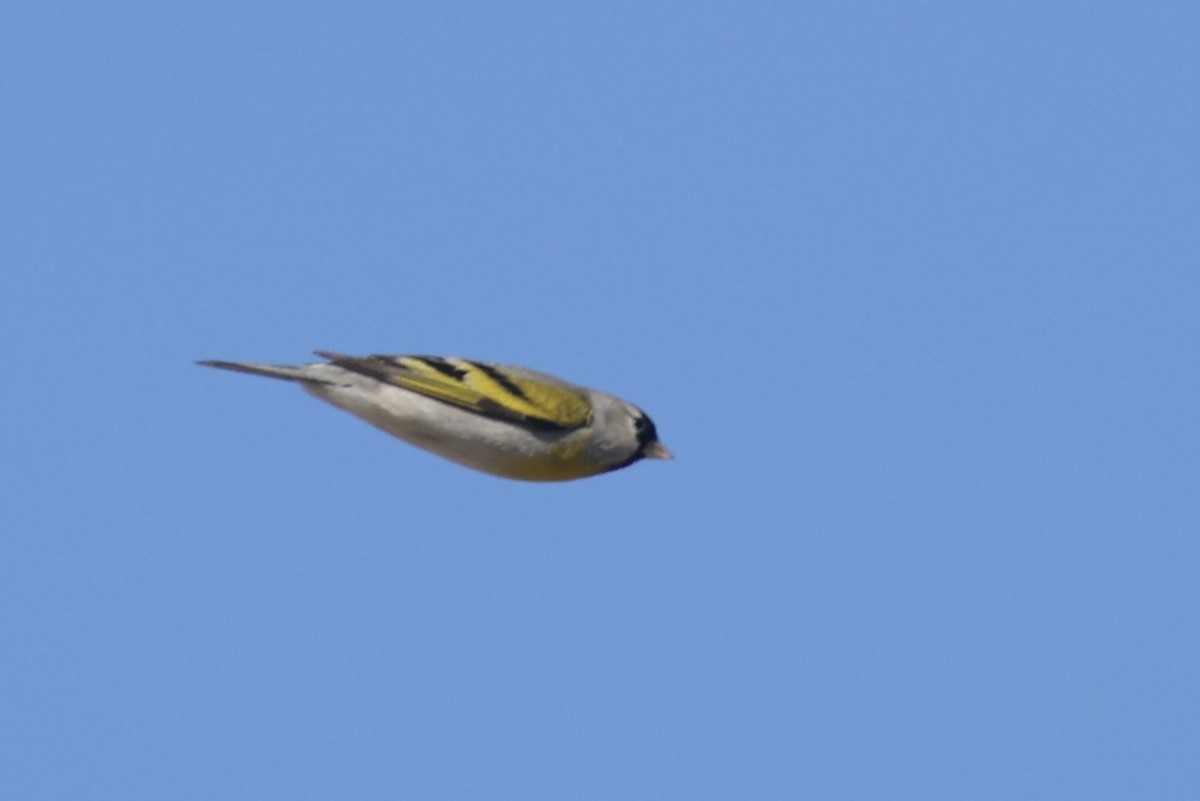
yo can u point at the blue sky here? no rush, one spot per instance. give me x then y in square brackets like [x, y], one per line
[910, 289]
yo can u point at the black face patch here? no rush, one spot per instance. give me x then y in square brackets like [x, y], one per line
[647, 433]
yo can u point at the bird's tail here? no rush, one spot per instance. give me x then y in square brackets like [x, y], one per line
[280, 371]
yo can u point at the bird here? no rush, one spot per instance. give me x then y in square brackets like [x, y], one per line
[508, 421]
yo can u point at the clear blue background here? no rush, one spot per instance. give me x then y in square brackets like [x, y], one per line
[911, 290]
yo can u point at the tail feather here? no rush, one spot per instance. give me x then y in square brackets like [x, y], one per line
[280, 371]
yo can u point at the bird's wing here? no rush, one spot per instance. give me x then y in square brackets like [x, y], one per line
[485, 389]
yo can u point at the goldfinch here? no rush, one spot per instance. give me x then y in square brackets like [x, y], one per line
[507, 421]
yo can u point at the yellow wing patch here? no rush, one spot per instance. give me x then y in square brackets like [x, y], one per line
[478, 387]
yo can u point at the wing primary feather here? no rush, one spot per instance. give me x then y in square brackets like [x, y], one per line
[442, 366]
[370, 366]
[500, 378]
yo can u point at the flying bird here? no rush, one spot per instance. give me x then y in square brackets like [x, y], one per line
[507, 421]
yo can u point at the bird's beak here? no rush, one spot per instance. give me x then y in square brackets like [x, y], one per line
[656, 450]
